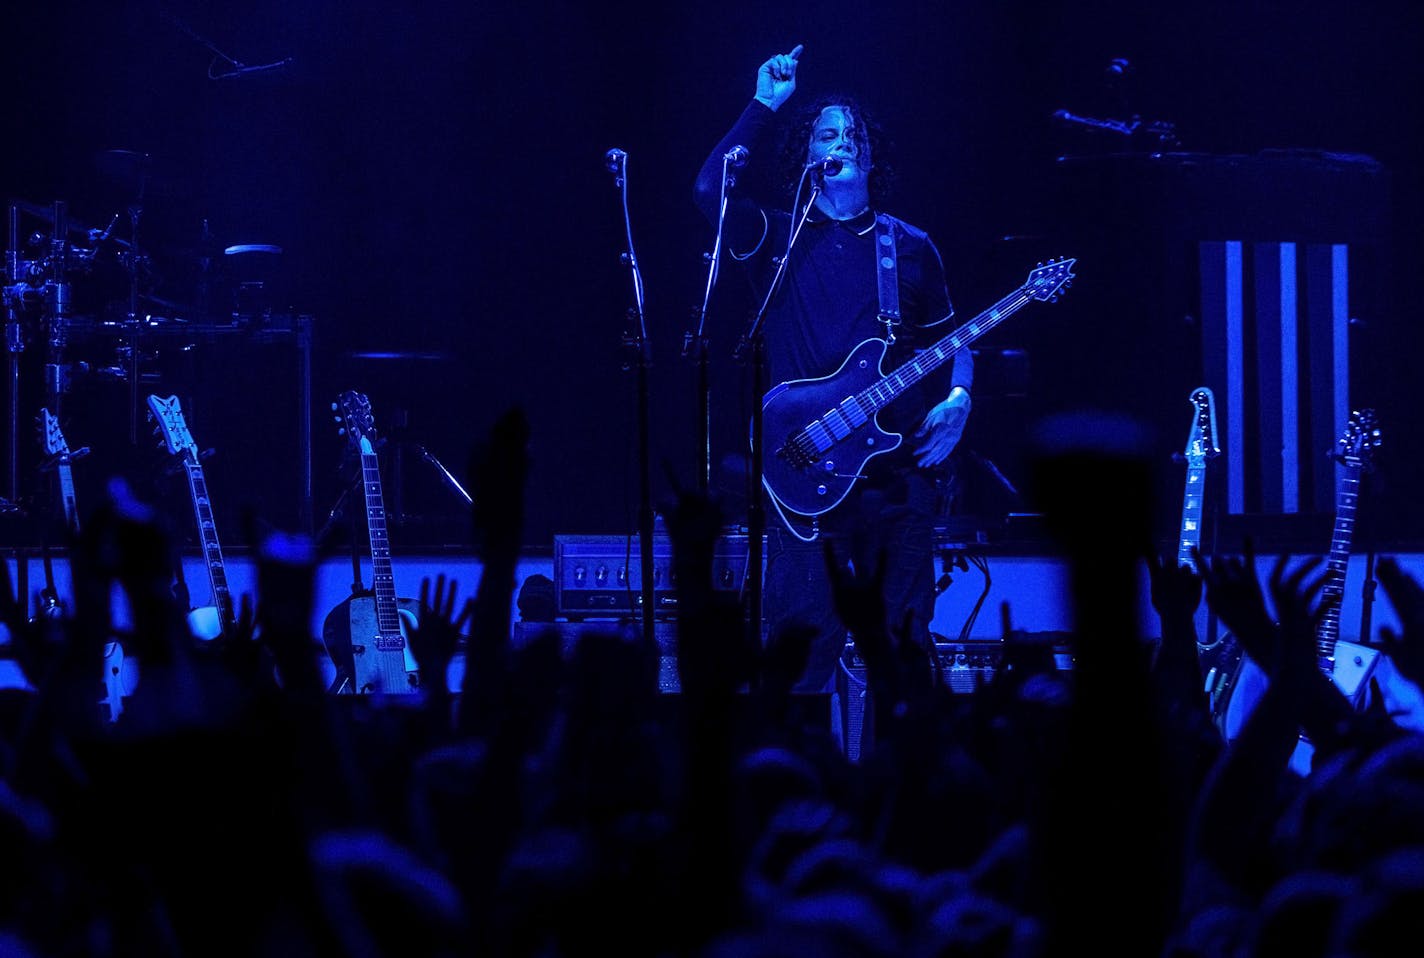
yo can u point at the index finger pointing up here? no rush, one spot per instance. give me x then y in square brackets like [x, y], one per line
[797, 51]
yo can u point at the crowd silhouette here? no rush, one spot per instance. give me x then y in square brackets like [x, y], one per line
[557, 804]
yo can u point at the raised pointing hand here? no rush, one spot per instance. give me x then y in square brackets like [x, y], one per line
[776, 78]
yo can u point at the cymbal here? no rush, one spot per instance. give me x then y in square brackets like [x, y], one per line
[411, 356]
[242, 248]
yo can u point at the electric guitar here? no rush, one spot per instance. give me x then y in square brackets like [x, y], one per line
[1201, 447]
[207, 622]
[120, 670]
[822, 432]
[367, 634]
[1238, 683]
[58, 458]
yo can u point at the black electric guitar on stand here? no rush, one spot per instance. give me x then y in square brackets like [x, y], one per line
[59, 459]
[206, 622]
[1237, 683]
[120, 670]
[822, 432]
[366, 635]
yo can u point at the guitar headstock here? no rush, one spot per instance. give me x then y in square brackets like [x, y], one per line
[51, 438]
[1201, 437]
[1047, 282]
[357, 424]
[167, 414]
[1362, 437]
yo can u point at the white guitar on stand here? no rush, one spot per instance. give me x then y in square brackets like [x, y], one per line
[211, 621]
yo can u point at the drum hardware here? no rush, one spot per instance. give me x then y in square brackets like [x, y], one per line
[252, 269]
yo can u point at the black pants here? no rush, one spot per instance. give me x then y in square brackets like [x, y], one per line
[895, 513]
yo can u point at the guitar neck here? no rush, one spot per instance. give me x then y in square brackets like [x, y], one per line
[382, 579]
[66, 496]
[1189, 542]
[882, 393]
[208, 539]
[1332, 596]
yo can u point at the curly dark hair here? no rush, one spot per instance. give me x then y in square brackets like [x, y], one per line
[797, 134]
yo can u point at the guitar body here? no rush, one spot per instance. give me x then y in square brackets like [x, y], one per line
[812, 478]
[120, 679]
[205, 622]
[365, 660]
[820, 433]
[1235, 685]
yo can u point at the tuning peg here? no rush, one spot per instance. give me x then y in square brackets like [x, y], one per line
[334, 407]
[341, 431]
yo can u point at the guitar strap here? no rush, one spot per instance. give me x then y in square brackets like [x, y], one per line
[887, 275]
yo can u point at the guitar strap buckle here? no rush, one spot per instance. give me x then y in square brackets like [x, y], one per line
[887, 276]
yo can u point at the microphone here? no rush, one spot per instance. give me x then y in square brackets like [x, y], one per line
[614, 160]
[737, 156]
[829, 166]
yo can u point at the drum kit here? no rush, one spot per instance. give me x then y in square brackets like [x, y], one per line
[100, 302]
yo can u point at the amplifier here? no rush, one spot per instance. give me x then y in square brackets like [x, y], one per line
[602, 576]
[965, 667]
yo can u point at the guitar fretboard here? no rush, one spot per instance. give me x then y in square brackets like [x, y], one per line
[382, 580]
[1190, 539]
[854, 411]
[208, 539]
[66, 495]
[1332, 596]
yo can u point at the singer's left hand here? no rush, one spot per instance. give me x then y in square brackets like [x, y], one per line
[942, 428]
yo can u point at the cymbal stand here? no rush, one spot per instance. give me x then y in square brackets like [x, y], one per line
[56, 300]
[133, 261]
[754, 339]
[637, 343]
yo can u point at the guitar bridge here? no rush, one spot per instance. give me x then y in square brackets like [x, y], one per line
[794, 453]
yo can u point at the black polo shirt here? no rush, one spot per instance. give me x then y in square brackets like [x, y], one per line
[829, 301]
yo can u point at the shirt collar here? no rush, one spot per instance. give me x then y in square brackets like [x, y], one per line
[860, 224]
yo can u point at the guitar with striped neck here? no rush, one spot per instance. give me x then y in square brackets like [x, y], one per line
[822, 432]
[367, 634]
[1201, 446]
[1239, 682]
[206, 622]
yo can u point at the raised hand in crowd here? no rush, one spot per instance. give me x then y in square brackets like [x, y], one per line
[1176, 593]
[437, 636]
[498, 473]
[1405, 647]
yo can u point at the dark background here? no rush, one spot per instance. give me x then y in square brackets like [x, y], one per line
[434, 176]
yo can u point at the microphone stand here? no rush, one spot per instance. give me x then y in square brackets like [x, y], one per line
[698, 341]
[754, 340]
[14, 345]
[617, 162]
